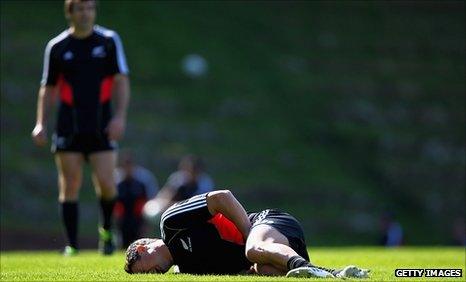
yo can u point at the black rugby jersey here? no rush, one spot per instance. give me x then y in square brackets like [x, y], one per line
[201, 243]
[83, 71]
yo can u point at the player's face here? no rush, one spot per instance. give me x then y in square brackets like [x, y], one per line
[83, 15]
[190, 170]
[151, 259]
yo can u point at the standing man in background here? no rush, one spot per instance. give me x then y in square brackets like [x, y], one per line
[129, 167]
[86, 66]
[135, 185]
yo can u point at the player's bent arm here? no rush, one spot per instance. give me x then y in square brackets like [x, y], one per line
[224, 202]
[164, 199]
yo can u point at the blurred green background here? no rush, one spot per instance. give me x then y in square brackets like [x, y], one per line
[334, 111]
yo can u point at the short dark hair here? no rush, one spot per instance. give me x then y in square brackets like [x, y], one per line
[70, 3]
[132, 255]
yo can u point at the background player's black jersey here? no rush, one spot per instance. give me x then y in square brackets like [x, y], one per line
[201, 243]
[83, 71]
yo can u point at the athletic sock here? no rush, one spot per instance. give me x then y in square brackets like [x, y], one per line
[106, 207]
[69, 214]
[297, 261]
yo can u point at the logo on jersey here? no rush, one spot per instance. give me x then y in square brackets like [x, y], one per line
[187, 246]
[261, 218]
[68, 56]
[60, 142]
[98, 52]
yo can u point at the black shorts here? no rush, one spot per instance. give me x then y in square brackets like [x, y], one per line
[286, 224]
[83, 143]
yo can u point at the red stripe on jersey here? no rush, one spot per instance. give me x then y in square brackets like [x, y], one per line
[227, 229]
[106, 89]
[118, 210]
[139, 206]
[66, 93]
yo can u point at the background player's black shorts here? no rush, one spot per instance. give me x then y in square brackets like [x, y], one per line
[83, 143]
[285, 224]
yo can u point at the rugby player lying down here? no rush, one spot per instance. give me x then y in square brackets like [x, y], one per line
[211, 233]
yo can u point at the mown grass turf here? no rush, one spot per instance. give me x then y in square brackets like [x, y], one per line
[50, 266]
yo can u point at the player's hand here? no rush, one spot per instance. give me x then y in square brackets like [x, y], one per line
[116, 128]
[39, 135]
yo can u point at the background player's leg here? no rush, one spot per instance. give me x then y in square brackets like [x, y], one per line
[267, 246]
[69, 166]
[103, 168]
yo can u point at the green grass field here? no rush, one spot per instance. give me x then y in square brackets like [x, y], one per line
[90, 266]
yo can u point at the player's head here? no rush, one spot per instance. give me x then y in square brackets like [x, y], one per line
[81, 13]
[191, 164]
[148, 256]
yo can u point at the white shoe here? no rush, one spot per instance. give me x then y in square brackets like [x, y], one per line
[352, 271]
[308, 271]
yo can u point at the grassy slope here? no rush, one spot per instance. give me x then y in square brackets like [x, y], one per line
[47, 266]
[278, 112]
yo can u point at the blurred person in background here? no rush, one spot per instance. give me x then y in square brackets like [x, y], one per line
[189, 180]
[86, 66]
[392, 232]
[136, 185]
[458, 232]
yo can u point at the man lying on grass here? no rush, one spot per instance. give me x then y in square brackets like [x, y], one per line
[212, 234]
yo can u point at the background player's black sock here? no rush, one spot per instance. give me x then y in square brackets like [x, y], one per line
[69, 214]
[106, 207]
[297, 261]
